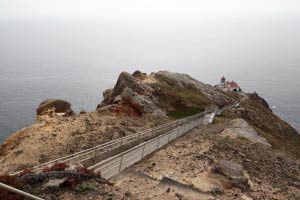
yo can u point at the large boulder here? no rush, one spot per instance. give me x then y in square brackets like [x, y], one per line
[125, 80]
[234, 172]
[127, 94]
[142, 103]
[51, 106]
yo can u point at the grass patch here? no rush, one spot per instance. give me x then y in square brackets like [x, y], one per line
[178, 114]
[83, 188]
[225, 143]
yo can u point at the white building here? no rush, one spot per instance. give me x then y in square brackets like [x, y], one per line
[229, 86]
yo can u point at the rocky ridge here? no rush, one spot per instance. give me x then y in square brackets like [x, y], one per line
[160, 93]
[249, 153]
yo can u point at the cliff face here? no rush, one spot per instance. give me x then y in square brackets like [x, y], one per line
[137, 101]
[249, 138]
[279, 133]
[161, 93]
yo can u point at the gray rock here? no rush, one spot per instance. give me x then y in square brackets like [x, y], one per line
[144, 103]
[107, 92]
[127, 94]
[158, 113]
[104, 108]
[234, 172]
[140, 102]
[107, 98]
[125, 80]
[117, 99]
[54, 184]
[231, 170]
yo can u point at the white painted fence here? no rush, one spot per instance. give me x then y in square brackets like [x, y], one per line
[90, 153]
[116, 164]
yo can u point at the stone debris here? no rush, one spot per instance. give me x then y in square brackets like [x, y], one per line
[52, 179]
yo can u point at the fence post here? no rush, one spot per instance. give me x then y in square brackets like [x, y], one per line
[169, 137]
[121, 161]
[95, 155]
[143, 151]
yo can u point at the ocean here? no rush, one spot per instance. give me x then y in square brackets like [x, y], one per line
[78, 60]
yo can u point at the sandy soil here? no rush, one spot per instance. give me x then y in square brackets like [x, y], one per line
[52, 138]
[189, 161]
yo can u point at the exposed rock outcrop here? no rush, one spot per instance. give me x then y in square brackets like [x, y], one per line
[240, 162]
[239, 127]
[52, 106]
[162, 92]
[187, 82]
[234, 172]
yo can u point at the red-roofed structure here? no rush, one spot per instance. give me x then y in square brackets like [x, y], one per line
[229, 86]
[234, 87]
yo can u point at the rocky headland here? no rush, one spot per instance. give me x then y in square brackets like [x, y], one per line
[248, 153]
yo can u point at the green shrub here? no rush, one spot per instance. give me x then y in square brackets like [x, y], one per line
[83, 188]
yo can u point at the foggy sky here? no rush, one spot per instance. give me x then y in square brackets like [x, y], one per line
[69, 48]
[145, 9]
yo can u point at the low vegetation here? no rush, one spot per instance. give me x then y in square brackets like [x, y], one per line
[178, 114]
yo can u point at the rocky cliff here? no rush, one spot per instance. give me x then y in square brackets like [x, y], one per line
[136, 102]
[160, 93]
[235, 158]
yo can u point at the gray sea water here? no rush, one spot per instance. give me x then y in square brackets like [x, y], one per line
[77, 60]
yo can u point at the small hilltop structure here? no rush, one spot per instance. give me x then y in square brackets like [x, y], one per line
[228, 86]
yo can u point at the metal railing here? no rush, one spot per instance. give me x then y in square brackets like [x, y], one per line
[116, 164]
[93, 152]
[19, 192]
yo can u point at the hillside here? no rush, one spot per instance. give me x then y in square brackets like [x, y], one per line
[248, 153]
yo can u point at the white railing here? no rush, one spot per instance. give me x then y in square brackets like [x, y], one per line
[116, 164]
[93, 152]
[19, 192]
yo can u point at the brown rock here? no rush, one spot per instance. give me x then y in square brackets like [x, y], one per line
[83, 112]
[138, 74]
[56, 106]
